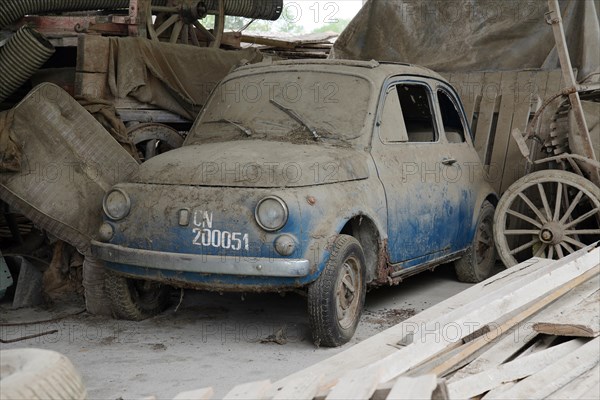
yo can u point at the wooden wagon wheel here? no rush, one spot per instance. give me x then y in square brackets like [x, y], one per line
[547, 214]
[179, 22]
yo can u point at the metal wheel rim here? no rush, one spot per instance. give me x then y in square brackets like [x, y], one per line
[485, 242]
[554, 231]
[348, 294]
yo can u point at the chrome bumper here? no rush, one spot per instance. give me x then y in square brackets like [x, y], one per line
[201, 263]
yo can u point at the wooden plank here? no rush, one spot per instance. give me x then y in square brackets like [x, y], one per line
[357, 384]
[305, 388]
[503, 129]
[419, 388]
[489, 100]
[250, 391]
[200, 394]
[543, 291]
[583, 387]
[513, 162]
[478, 384]
[385, 343]
[556, 375]
[472, 87]
[581, 320]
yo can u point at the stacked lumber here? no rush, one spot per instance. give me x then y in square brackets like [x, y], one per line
[529, 332]
[299, 47]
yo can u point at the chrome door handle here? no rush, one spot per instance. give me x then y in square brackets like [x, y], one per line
[449, 161]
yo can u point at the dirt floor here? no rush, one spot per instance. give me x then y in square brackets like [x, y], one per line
[211, 340]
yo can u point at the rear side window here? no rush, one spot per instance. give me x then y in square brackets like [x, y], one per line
[453, 126]
[416, 109]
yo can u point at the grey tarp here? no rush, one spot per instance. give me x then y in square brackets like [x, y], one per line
[173, 77]
[69, 162]
[472, 35]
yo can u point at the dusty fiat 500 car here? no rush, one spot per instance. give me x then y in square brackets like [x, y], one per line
[325, 175]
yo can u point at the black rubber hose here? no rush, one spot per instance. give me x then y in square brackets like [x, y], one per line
[20, 57]
[13, 10]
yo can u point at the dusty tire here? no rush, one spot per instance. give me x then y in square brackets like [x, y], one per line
[337, 297]
[38, 374]
[96, 300]
[477, 264]
[135, 300]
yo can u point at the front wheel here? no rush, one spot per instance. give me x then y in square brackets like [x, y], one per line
[337, 297]
[477, 264]
[134, 299]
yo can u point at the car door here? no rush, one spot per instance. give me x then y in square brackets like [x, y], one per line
[410, 152]
[68, 162]
[462, 169]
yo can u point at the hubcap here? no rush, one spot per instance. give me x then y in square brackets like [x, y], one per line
[348, 292]
[552, 233]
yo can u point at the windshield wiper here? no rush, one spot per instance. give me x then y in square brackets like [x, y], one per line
[297, 117]
[242, 128]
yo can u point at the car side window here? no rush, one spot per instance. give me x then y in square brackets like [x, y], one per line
[391, 124]
[416, 109]
[453, 124]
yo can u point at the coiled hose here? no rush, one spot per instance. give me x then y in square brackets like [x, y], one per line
[259, 9]
[22, 55]
[13, 10]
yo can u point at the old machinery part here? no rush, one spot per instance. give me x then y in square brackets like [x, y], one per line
[13, 10]
[22, 55]
[547, 214]
[151, 139]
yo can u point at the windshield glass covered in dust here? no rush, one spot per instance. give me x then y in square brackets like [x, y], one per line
[296, 106]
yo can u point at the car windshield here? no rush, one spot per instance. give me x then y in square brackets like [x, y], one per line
[286, 106]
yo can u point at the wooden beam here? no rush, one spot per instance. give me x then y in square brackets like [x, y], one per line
[523, 367]
[542, 291]
[514, 340]
[418, 388]
[200, 394]
[556, 375]
[581, 320]
[250, 391]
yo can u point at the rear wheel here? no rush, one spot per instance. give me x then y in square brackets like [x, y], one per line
[478, 262]
[134, 299]
[337, 297]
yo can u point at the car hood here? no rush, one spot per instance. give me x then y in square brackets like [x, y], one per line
[256, 163]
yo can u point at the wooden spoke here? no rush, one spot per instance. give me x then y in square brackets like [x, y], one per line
[204, 31]
[524, 247]
[541, 250]
[582, 218]
[165, 25]
[533, 208]
[195, 41]
[524, 218]
[584, 232]
[521, 232]
[559, 192]
[545, 201]
[176, 31]
[559, 251]
[567, 247]
[185, 34]
[571, 207]
[550, 252]
[574, 242]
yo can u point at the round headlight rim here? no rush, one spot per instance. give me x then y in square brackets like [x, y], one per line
[127, 202]
[285, 213]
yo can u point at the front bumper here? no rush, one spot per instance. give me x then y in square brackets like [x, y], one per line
[202, 263]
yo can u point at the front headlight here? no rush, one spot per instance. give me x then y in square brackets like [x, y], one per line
[271, 213]
[116, 204]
